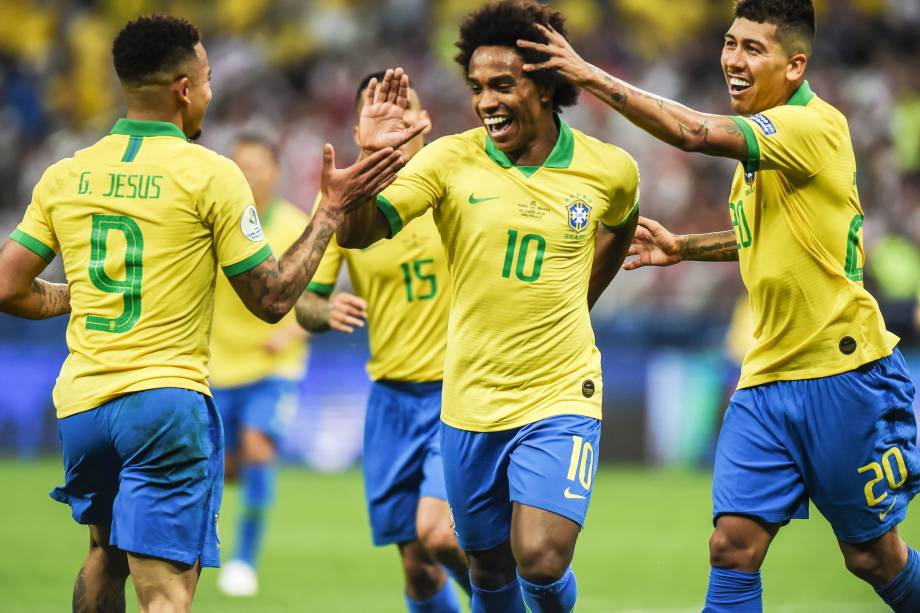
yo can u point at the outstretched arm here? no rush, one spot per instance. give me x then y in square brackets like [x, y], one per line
[381, 124]
[341, 311]
[654, 245]
[610, 251]
[669, 121]
[272, 288]
[21, 293]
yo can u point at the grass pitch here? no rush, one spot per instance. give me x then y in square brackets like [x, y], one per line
[643, 550]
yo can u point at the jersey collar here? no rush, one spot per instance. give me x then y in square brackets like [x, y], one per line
[559, 157]
[802, 95]
[141, 127]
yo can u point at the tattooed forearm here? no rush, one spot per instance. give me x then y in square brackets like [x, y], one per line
[690, 137]
[313, 312]
[53, 298]
[271, 289]
[712, 247]
[618, 94]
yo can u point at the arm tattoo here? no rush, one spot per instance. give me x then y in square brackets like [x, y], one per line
[659, 102]
[53, 298]
[618, 95]
[688, 135]
[712, 247]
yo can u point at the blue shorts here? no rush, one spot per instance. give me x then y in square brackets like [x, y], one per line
[549, 464]
[402, 456]
[847, 441]
[150, 465]
[266, 406]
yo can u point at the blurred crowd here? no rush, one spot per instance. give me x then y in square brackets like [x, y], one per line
[289, 68]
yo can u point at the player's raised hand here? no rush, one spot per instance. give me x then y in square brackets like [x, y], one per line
[562, 57]
[345, 189]
[346, 312]
[382, 121]
[653, 245]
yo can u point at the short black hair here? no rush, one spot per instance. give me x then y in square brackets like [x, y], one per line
[502, 23]
[251, 137]
[152, 44]
[794, 21]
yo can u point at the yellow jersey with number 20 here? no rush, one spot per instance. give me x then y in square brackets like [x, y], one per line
[798, 222]
[142, 219]
[520, 244]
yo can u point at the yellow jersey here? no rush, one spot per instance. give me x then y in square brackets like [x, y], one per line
[142, 219]
[239, 339]
[520, 244]
[798, 223]
[406, 286]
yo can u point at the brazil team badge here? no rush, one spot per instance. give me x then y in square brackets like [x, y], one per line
[579, 214]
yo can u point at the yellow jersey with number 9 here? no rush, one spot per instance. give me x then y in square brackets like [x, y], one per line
[405, 283]
[520, 244]
[141, 219]
[798, 223]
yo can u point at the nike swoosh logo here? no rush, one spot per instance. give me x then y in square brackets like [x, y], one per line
[569, 494]
[882, 516]
[474, 200]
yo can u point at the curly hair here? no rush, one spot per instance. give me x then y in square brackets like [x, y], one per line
[152, 44]
[794, 20]
[502, 23]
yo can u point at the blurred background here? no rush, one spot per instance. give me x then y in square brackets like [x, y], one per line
[289, 68]
[671, 338]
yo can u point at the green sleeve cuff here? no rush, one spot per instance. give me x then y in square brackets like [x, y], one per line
[753, 149]
[633, 211]
[323, 289]
[249, 263]
[33, 244]
[392, 215]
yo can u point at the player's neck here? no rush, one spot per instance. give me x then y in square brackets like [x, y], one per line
[535, 152]
[149, 114]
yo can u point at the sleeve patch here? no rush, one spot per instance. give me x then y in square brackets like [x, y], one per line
[250, 226]
[763, 122]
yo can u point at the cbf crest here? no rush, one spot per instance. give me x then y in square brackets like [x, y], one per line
[578, 213]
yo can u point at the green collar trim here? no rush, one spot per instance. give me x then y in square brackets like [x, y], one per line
[802, 95]
[141, 127]
[559, 157]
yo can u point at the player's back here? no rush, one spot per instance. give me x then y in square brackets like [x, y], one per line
[138, 218]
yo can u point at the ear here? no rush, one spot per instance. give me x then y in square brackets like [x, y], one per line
[547, 92]
[795, 68]
[354, 135]
[423, 116]
[181, 91]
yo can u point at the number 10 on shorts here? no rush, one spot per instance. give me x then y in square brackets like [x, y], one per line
[582, 463]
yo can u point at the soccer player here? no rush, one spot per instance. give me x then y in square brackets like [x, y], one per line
[519, 203]
[254, 369]
[142, 220]
[406, 286]
[823, 407]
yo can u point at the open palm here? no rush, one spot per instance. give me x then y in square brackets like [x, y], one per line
[382, 121]
[653, 245]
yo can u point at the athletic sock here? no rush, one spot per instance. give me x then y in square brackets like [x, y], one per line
[556, 597]
[445, 601]
[506, 599]
[462, 579]
[258, 484]
[903, 593]
[733, 591]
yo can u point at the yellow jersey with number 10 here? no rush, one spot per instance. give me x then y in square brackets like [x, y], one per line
[239, 339]
[520, 244]
[142, 219]
[798, 222]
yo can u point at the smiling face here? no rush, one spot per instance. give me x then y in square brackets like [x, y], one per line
[513, 108]
[758, 70]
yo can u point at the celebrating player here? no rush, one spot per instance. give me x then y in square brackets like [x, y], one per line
[519, 203]
[254, 370]
[142, 219]
[405, 283]
[823, 409]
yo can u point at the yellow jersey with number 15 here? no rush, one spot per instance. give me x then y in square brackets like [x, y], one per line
[239, 339]
[405, 283]
[798, 222]
[141, 219]
[520, 244]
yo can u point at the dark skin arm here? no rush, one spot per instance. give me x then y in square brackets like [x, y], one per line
[341, 311]
[610, 251]
[24, 295]
[272, 288]
[654, 245]
[674, 123]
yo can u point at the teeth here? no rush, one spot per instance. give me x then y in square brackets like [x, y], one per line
[739, 82]
[493, 121]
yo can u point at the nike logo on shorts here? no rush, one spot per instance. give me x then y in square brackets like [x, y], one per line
[568, 494]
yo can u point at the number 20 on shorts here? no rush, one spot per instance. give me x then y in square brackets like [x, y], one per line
[885, 470]
[582, 463]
